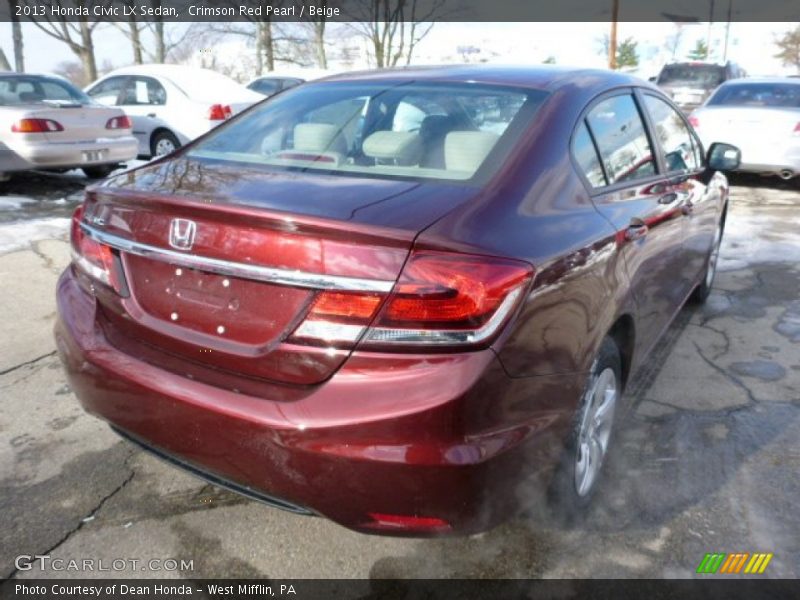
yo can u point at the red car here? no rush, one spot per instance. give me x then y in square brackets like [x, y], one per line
[400, 299]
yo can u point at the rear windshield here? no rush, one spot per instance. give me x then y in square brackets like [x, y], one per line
[705, 76]
[400, 129]
[779, 95]
[21, 90]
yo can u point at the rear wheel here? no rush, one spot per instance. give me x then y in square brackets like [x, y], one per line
[579, 472]
[99, 171]
[163, 142]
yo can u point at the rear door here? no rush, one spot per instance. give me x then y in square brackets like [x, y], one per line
[629, 188]
[144, 100]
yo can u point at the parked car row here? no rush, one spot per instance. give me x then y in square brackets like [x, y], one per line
[761, 116]
[145, 110]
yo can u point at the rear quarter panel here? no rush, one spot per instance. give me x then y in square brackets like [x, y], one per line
[538, 210]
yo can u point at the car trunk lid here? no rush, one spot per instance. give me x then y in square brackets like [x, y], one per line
[222, 275]
[746, 125]
[81, 123]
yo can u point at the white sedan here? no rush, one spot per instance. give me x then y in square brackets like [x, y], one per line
[759, 116]
[171, 105]
[47, 123]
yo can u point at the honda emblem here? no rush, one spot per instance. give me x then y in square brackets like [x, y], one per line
[181, 234]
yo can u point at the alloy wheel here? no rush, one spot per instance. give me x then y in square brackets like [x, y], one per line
[595, 430]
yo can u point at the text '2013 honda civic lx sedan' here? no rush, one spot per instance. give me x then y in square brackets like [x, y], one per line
[404, 300]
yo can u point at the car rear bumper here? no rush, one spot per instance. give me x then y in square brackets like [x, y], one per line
[447, 437]
[43, 155]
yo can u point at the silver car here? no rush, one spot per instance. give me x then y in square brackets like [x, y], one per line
[759, 116]
[47, 123]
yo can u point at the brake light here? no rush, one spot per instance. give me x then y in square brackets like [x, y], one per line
[219, 112]
[440, 299]
[797, 129]
[386, 522]
[694, 121]
[122, 122]
[36, 126]
[93, 258]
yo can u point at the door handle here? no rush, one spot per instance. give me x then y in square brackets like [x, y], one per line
[636, 230]
[688, 208]
[668, 198]
[151, 115]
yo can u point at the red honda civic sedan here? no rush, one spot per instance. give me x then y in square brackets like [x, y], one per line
[401, 299]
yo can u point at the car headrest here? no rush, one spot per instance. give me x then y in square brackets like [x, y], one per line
[466, 150]
[315, 137]
[402, 147]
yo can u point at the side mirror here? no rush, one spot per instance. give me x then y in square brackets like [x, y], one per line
[723, 157]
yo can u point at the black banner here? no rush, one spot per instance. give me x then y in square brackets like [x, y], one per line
[408, 10]
[318, 589]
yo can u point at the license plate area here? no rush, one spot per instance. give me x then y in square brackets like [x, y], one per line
[225, 309]
[94, 155]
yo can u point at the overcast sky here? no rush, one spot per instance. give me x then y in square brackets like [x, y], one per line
[750, 44]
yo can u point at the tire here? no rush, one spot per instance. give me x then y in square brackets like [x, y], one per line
[98, 171]
[702, 291]
[162, 143]
[578, 474]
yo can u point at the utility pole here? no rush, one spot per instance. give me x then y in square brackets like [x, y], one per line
[710, 24]
[727, 31]
[612, 41]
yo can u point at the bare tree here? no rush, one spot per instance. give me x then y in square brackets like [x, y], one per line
[316, 27]
[4, 66]
[394, 27]
[77, 35]
[138, 31]
[16, 34]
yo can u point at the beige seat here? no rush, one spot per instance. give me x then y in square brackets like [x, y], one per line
[317, 137]
[466, 150]
[394, 147]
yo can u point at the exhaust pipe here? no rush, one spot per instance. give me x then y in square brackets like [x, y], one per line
[786, 174]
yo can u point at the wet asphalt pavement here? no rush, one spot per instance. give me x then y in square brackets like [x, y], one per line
[705, 458]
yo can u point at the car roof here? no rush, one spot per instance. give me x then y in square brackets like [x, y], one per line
[543, 77]
[750, 80]
[157, 69]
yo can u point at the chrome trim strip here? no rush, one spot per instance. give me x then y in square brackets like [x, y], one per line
[243, 270]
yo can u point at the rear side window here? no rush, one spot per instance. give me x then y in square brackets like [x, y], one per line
[673, 135]
[107, 92]
[621, 139]
[586, 156]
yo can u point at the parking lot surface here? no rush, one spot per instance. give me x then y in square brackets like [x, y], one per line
[705, 457]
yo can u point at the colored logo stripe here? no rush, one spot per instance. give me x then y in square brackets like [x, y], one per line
[758, 563]
[733, 563]
[710, 563]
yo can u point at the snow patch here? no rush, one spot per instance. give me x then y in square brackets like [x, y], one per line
[19, 234]
[14, 202]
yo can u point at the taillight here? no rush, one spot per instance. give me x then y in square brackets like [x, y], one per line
[219, 112]
[95, 259]
[36, 126]
[797, 129]
[440, 299]
[122, 122]
[694, 121]
[409, 523]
